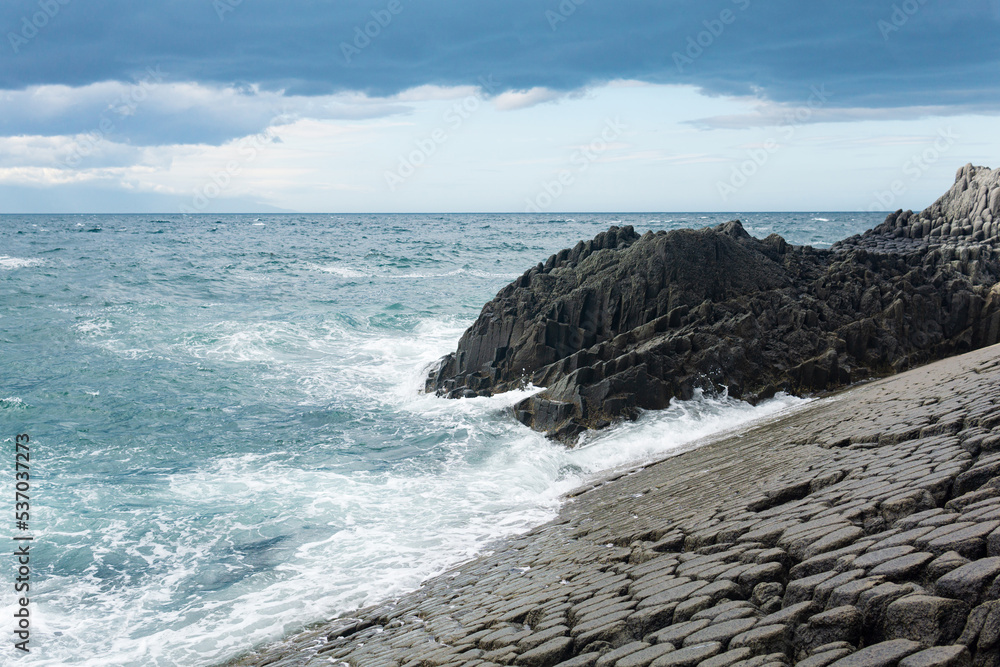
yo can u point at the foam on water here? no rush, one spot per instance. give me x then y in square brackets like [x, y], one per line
[671, 431]
[349, 272]
[11, 263]
[461, 272]
[342, 271]
[11, 403]
[241, 549]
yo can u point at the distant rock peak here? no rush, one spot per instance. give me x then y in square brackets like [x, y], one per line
[969, 211]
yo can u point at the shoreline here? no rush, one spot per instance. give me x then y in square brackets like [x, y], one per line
[764, 524]
[592, 481]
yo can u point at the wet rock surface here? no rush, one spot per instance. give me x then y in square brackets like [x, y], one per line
[859, 530]
[623, 323]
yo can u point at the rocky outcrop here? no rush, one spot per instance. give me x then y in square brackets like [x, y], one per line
[970, 210]
[624, 323]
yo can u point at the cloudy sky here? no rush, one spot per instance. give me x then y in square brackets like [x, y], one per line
[493, 105]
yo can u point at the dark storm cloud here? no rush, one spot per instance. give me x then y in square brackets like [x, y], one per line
[867, 54]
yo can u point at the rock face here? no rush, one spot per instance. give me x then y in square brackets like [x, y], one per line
[623, 322]
[969, 210]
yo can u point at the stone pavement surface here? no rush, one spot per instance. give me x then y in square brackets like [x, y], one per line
[860, 531]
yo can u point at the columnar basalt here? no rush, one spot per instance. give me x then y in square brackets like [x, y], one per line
[623, 322]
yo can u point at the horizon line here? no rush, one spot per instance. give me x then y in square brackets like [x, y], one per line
[544, 213]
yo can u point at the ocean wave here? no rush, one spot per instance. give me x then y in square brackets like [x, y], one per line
[350, 272]
[671, 431]
[241, 342]
[457, 272]
[342, 271]
[12, 403]
[94, 327]
[265, 546]
[10, 263]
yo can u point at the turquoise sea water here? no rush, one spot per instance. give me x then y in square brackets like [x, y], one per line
[228, 441]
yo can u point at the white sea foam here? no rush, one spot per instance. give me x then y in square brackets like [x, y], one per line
[273, 545]
[671, 431]
[342, 271]
[459, 272]
[11, 403]
[10, 263]
[349, 272]
[239, 342]
[94, 327]
[821, 219]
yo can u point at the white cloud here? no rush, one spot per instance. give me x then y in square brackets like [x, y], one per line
[491, 161]
[773, 114]
[152, 113]
[522, 99]
[434, 93]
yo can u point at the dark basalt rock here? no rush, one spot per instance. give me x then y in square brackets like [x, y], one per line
[623, 323]
[970, 210]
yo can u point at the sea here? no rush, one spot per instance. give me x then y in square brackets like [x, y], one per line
[228, 440]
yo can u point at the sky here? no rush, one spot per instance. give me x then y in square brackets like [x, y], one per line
[202, 106]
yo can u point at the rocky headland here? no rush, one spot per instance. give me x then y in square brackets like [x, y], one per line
[626, 322]
[859, 530]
